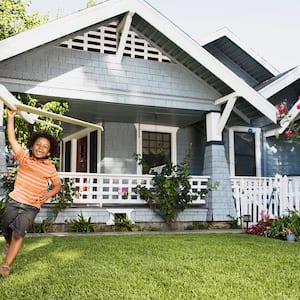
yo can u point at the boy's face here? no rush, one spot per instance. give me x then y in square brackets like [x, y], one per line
[41, 148]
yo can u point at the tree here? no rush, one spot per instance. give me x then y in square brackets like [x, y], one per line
[15, 18]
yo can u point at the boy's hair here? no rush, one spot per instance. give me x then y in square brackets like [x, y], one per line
[54, 150]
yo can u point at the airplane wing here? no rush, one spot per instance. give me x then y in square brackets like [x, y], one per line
[30, 114]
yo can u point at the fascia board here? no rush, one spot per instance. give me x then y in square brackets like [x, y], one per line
[281, 83]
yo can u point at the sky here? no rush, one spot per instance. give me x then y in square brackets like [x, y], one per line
[269, 27]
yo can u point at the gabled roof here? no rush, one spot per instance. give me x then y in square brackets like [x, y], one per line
[152, 26]
[237, 56]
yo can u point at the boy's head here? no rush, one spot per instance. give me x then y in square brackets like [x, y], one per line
[43, 145]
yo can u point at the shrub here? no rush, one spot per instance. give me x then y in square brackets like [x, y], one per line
[81, 224]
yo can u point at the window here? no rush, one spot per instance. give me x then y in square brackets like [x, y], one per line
[156, 149]
[244, 151]
[156, 144]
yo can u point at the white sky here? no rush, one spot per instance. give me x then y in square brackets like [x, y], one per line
[269, 27]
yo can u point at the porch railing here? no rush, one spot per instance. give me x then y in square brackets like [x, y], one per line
[275, 195]
[100, 189]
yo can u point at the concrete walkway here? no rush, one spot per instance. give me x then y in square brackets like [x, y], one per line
[204, 231]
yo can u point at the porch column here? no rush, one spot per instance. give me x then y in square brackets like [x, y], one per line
[219, 202]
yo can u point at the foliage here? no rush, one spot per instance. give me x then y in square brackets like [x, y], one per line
[293, 130]
[65, 197]
[262, 226]
[15, 18]
[277, 227]
[91, 3]
[81, 224]
[171, 191]
[286, 224]
[122, 223]
[154, 266]
[25, 129]
[234, 223]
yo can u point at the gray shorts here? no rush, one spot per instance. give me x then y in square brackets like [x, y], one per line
[18, 217]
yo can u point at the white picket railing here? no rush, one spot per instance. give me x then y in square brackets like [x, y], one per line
[275, 195]
[99, 189]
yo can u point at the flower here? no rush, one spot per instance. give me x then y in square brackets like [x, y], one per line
[288, 133]
[293, 130]
[282, 108]
[124, 192]
[286, 231]
[262, 226]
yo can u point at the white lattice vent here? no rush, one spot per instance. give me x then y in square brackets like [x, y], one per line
[104, 40]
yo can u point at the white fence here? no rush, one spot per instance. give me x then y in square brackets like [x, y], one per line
[98, 189]
[275, 195]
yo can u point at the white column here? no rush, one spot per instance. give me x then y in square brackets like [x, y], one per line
[212, 121]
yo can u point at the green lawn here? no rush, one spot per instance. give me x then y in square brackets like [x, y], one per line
[154, 266]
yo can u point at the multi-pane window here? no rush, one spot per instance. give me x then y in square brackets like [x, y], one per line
[156, 149]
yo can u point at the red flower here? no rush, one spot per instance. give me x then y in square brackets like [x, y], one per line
[282, 109]
[288, 133]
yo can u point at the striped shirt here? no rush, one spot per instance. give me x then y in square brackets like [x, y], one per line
[33, 178]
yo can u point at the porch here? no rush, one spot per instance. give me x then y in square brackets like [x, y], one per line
[118, 189]
[251, 195]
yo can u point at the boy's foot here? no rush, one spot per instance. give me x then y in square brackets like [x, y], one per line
[4, 253]
[4, 270]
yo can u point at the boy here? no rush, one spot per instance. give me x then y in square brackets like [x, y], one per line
[30, 189]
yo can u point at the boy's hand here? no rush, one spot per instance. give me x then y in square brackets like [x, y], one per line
[11, 113]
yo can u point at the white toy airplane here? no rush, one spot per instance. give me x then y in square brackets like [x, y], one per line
[31, 114]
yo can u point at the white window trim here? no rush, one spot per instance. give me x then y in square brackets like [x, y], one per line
[257, 134]
[157, 128]
[73, 138]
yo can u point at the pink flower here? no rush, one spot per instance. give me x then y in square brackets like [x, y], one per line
[123, 190]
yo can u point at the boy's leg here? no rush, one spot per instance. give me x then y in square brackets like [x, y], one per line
[13, 250]
[15, 236]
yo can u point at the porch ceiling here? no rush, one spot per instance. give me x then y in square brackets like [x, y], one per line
[124, 113]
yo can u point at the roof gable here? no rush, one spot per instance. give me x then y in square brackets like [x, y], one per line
[153, 27]
[229, 49]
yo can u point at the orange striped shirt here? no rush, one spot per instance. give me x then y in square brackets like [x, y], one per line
[33, 178]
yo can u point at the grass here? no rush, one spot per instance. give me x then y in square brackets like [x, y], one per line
[154, 266]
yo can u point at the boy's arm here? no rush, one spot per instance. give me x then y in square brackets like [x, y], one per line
[16, 147]
[49, 194]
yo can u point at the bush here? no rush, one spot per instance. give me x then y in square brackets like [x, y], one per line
[81, 224]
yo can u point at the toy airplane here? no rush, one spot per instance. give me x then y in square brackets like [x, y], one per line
[31, 114]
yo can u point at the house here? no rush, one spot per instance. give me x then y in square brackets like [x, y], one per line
[125, 66]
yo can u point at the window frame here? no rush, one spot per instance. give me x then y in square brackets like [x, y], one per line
[73, 139]
[257, 137]
[158, 129]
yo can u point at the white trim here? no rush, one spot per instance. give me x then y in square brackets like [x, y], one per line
[280, 83]
[157, 128]
[74, 138]
[113, 211]
[123, 30]
[257, 134]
